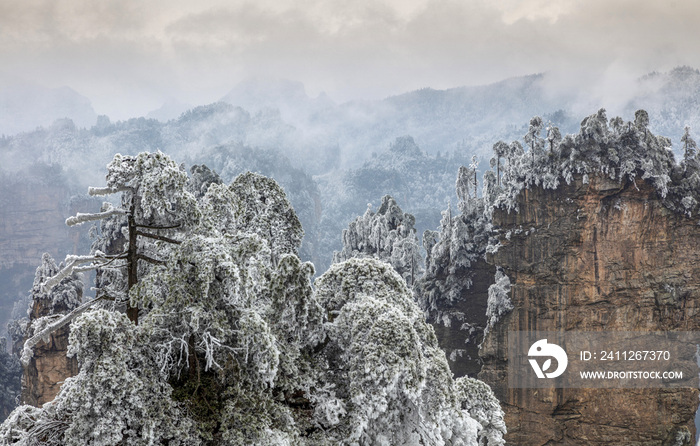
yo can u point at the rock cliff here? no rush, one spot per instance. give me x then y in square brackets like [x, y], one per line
[31, 221]
[46, 371]
[596, 256]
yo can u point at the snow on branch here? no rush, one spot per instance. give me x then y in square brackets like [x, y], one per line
[101, 191]
[81, 218]
[72, 264]
[44, 334]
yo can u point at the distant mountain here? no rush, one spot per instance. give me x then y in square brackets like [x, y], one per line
[171, 109]
[24, 107]
[467, 119]
[289, 97]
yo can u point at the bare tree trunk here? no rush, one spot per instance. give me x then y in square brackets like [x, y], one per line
[132, 264]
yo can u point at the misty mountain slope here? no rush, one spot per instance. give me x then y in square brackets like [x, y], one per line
[467, 118]
[672, 100]
[171, 109]
[437, 116]
[288, 96]
[463, 118]
[25, 107]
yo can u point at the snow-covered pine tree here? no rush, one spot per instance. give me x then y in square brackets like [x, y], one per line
[265, 211]
[500, 151]
[534, 140]
[201, 178]
[553, 137]
[154, 200]
[690, 148]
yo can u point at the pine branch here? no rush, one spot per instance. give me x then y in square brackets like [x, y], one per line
[149, 259]
[73, 262]
[100, 191]
[158, 237]
[158, 227]
[81, 218]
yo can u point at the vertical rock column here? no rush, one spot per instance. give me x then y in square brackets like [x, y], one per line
[595, 257]
[49, 366]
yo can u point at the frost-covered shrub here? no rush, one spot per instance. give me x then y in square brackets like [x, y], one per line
[384, 379]
[117, 398]
[265, 211]
[477, 398]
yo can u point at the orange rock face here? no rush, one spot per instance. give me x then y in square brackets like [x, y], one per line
[595, 257]
[43, 377]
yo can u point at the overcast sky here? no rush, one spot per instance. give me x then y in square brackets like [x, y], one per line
[129, 56]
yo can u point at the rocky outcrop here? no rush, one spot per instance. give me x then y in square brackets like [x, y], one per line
[597, 256]
[49, 364]
[43, 377]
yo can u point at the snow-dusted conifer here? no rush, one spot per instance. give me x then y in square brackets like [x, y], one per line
[265, 211]
[553, 137]
[386, 235]
[154, 198]
[533, 139]
[477, 398]
[500, 151]
[690, 148]
[202, 177]
[499, 302]
[385, 380]
[641, 120]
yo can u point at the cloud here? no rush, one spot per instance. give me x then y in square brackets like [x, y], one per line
[129, 56]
